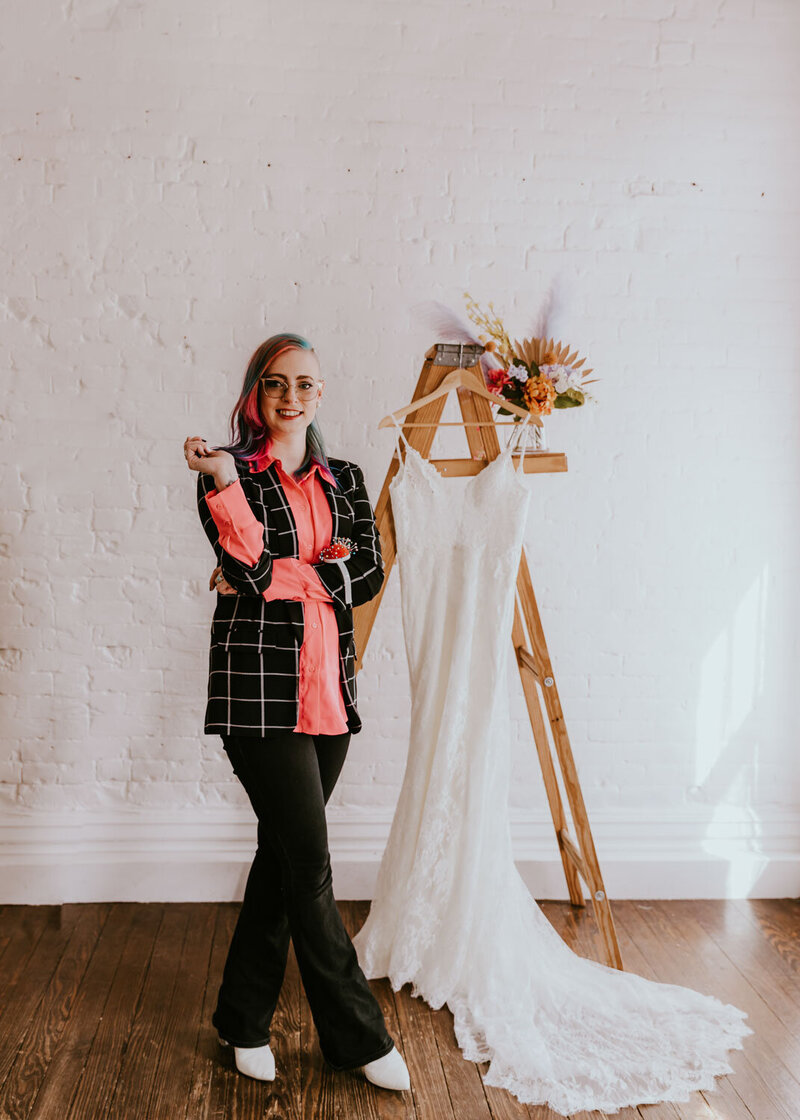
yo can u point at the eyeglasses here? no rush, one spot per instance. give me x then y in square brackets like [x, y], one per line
[275, 387]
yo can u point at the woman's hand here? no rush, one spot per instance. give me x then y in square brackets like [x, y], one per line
[220, 584]
[200, 457]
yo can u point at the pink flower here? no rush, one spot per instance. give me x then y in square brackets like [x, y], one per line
[496, 379]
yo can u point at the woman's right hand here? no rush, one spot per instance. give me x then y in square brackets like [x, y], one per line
[220, 584]
[201, 458]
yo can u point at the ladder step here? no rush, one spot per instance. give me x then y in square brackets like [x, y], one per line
[571, 848]
[525, 658]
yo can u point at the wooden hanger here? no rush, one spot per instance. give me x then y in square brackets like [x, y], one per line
[459, 378]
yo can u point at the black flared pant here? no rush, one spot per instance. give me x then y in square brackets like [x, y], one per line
[289, 777]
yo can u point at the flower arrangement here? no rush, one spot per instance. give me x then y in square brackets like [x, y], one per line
[339, 549]
[538, 374]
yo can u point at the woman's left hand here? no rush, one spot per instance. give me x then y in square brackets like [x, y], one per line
[222, 586]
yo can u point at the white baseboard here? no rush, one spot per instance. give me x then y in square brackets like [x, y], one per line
[203, 855]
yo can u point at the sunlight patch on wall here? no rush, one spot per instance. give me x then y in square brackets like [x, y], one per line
[731, 680]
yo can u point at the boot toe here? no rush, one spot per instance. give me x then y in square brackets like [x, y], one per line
[256, 1061]
[389, 1072]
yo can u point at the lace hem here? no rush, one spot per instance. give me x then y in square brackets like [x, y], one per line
[688, 1061]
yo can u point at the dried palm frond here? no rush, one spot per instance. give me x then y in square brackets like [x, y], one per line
[548, 352]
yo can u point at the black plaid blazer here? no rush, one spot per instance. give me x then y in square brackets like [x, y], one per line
[253, 669]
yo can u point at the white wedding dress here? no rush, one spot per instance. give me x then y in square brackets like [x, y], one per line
[451, 913]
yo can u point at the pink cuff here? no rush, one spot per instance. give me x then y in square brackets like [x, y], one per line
[316, 586]
[241, 534]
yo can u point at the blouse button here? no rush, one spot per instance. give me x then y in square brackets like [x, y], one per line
[314, 625]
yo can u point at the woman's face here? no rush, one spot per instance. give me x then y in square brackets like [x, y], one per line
[297, 370]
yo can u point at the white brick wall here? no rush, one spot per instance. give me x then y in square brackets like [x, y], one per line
[180, 180]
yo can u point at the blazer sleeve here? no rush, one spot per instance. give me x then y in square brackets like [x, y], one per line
[358, 578]
[249, 579]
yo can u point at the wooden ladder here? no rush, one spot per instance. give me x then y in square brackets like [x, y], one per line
[578, 854]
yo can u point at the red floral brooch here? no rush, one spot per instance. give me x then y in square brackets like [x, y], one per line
[339, 549]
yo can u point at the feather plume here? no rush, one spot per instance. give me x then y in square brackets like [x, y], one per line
[538, 328]
[447, 325]
[489, 360]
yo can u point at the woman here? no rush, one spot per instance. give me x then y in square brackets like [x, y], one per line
[281, 693]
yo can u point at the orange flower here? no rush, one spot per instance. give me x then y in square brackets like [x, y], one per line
[539, 394]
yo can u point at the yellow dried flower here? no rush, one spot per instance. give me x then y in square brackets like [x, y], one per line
[492, 325]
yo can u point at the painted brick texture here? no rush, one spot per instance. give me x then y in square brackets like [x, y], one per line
[180, 180]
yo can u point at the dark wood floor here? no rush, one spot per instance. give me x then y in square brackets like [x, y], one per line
[106, 1008]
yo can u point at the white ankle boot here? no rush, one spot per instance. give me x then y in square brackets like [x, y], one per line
[390, 1071]
[255, 1061]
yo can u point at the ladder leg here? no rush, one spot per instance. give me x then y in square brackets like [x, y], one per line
[537, 663]
[546, 762]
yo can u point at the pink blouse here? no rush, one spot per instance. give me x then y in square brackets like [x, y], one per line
[321, 708]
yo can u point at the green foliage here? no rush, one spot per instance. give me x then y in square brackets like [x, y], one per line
[571, 399]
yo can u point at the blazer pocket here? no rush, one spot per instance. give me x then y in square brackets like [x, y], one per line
[242, 634]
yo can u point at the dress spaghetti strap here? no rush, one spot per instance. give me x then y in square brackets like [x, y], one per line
[399, 432]
[519, 466]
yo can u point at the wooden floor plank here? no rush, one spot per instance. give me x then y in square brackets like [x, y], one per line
[34, 965]
[748, 949]
[428, 1081]
[64, 1070]
[318, 1097]
[779, 918]
[176, 1035]
[728, 1105]
[357, 1097]
[505, 1106]
[5, 933]
[784, 1048]
[464, 1079]
[390, 1105]
[577, 923]
[679, 961]
[101, 1070]
[286, 1027]
[560, 916]
[212, 1065]
[165, 1031]
[145, 1056]
[24, 927]
[279, 1098]
[576, 927]
[48, 1021]
[112, 1023]
[723, 1100]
